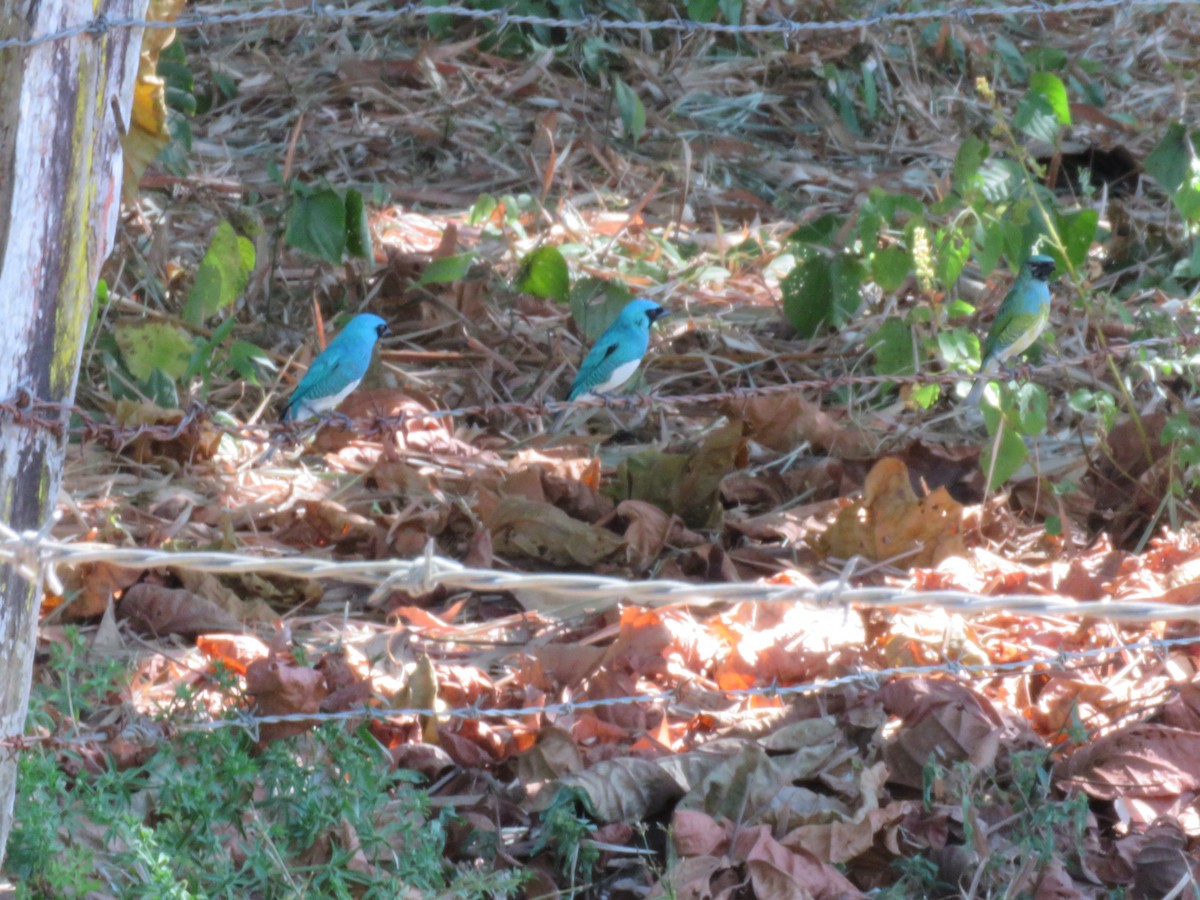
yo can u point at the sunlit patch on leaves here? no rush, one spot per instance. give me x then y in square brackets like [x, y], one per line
[891, 523]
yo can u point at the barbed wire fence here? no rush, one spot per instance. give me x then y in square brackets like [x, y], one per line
[782, 26]
[37, 554]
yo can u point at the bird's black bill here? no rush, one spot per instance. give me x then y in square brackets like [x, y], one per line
[655, 314]
[382, 330]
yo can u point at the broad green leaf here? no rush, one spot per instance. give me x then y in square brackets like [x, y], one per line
[147, 346]
[1036, 117]
[890, 267]
[953, 250]
[358, 229]
[1052, 88]
[732, 11]
[821, 292]
[958, 346]
[999, 179]
[446, 269]
[595, 304]
[481, 211]
[223, 274]
[894, 348]
[820, 231]
[923, 396]
[1078, 231]
[317, 225]
[701, 10]
[544, 273]
[633, 113]
[1010, 451]
[1030, 407]
[971, 154]
[1174, 165]
[249, 360]
[989, 245]
[160, 389]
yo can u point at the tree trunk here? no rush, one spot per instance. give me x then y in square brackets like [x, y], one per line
[60, 179]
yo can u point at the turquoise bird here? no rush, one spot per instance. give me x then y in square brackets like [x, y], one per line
[1019, 320]
[337, 370]
[618, 351]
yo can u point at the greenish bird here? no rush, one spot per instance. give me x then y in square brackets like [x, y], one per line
[1019, 320]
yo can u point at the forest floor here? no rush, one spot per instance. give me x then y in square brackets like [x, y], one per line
[831, 661]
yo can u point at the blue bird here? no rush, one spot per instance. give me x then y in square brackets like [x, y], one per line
[337, 370]
[1021, 317]
[619, 350]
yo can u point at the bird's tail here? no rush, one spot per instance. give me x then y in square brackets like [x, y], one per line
[976, 394]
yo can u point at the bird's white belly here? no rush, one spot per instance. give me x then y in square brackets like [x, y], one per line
[619, 376]
[317, 405]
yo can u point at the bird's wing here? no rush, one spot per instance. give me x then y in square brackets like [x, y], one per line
[1013, 335]
[597, 365]
[324, 377]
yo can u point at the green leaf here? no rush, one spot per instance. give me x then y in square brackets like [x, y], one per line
[701, 10]
[1030, 408]
[1010, 451]
[958, 346]
[870, 91]
[1078, 231]
[820, 231]
[923, 396]
[223, 274]
[821, 292]
[446, 269]
[595, 304]
[1037, 117]
[894, 348]
[1170, 163]
[971, 154]
[249, 360]
[481, 211]
[953, 250]
[147, 346]
[1054, 526]
[1052, 88]
[732, 11]
[358, 229]
[544, 273]
[160, 390]
[317, 225]
[1173, 164]
[633, 113]
[889, 268]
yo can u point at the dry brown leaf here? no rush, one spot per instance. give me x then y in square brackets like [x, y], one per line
[280, 687]
[890, 523]
[943, 718]
[776, 871]
[156, 610]
[783, 422]
[540, 531]
[1141, 760]
[620, 790]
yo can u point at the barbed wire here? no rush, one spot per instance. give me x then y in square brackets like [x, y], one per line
[55, 416]
[564, 594]
[1061, 662]
[501, 18]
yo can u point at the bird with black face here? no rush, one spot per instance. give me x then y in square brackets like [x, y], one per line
[618, 352]
[337, 370]
[1022, 316]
